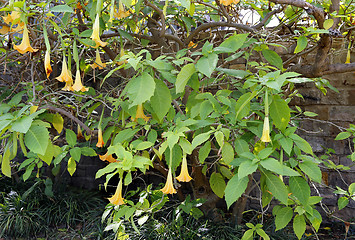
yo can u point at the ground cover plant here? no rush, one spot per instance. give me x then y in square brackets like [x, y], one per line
[197, 92]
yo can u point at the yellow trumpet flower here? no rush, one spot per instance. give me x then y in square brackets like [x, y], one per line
[117, 198]
[65, 75]
[25, 45]
[229, 2]
[96, 33]
[184, 174]
[108, 158]
[98, 63]
[140, 114]
[169, 186]
[122, 13]
[100, 141]
[47, 63]
[4, 30]
[78, 86]
[68, 86]
[79, 135]
[266, 130]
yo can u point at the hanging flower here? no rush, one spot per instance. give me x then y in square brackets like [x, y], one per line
[192, 44]
[4, 30]
[266, 131]
[19, 28]
[25, 45]
[140, 114]
[229, 2]
[68, 86]
[184, 174]
[78, 86]
[100, 141]
[169, 186]
[117, 198]
[122, 13]
[98, 63]
[47, 63]
[121, 55]
[348, 54]
[12, 17]
[79, 135]
[108, 158]
[96, 33]
[65, 76]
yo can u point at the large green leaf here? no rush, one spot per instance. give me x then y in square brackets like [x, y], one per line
[199, 139]
[140, 89]
[312, 170]
[273, 58]
[204, 152]
[36, 139]
[280, 112]
[227, 152]
[71, 166]
[301, 44]
[242, 107]
[283, 217]
[247, 167]
[299, 225]
[5, 163]
[183, 76]
[62, 8]
[207, 65]
[49, 154]
[235, 188]
[70, 136]
[22, 124]
[276, 187]
[217, 184]
[301, 143]
[161, 100]
[233, 43]
[300, 189]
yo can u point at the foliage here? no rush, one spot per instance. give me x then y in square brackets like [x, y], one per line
[216, 89]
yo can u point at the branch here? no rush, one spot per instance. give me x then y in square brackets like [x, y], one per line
[69, 115]
[216, 24]
[318, 13]
[266, 18]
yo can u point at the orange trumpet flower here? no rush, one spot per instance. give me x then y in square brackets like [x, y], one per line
[140, 114]
[96, 33]
[100, 140]
[78, 86]
[184, 174]
[47, 63]
[117, 198]
[169, 185]
[25, 45]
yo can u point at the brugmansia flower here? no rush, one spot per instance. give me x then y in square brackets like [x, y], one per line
[266, 131]
[4, 30]
[122, 13]
[108, 158]
[169, 186]
[96, 33]
[25, 45]
[100, 141]
[184, 174]
[12, 17]
[65, 75]
[47, 63]
[229, 2]
[78, 86]
[140, 114]
[79, 135]
[348, 54]
[117, 198]
[98, 63]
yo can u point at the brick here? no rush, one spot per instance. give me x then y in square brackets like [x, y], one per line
[322, 111]
[342, 113]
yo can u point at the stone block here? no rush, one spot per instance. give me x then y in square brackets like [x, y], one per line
[342, 113]
[322, 111]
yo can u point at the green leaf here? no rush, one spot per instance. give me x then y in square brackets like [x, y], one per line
[301, 143]
[310, 114]
[234, 42]
[300, 189]
[328, 23]
[36, 139]
[227, 153]
[204, 152]
[277, 187]
[280, 112]
[262, 234]
[343, 135]
[247, 167]
[342, 202]
[58, 122]
[286, 144]
[49, 154]
[5, 163]
[62, 8]
[183, 76]
[161, 100]
[218, 184]
[273, 58]
[185, 145]
[283, 217]
[140, 89]
[144, 145]
[108, 169]
[199, 139]
[235, 188]
[301, 44]
[75, 153]
[299, 225]
[242, 107]
[87, 151]
[266, 152]
[241, 146]
[70, 136]
[205, 109]
[22, 124]
[312, 170]
[207, 65]
[71, 166]
[248, 235]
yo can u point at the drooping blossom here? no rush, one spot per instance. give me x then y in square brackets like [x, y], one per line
[117, 198]
[122, 13]
[266, 130]
[25, 45]
[108, 157]
[47, 63]
[184, 174]
[98, 63]
[169, 185]
[100, 141]
[96, 33]
[140, 114]
[78, 86]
